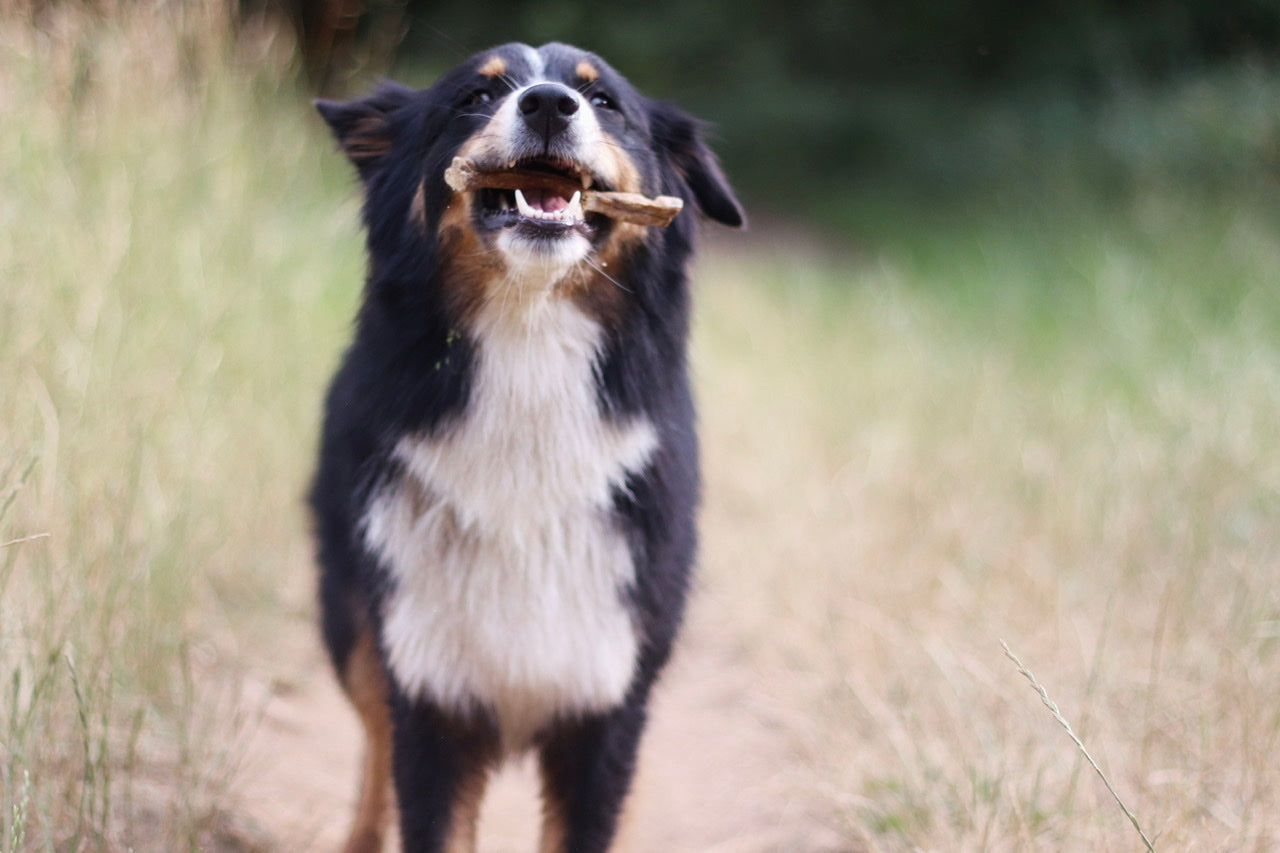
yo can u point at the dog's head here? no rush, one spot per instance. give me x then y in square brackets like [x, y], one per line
[556, 111]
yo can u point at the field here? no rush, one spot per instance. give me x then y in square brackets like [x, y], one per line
[1044, 412]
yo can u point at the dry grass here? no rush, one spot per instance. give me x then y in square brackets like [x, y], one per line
[898, 480]
[158, 219]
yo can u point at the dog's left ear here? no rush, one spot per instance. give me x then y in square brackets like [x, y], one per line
[679, 136]
[363, 126]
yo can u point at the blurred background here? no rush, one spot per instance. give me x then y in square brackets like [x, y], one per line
[999, 360]
[816, 102]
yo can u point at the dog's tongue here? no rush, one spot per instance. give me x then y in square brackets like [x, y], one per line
[548, 201]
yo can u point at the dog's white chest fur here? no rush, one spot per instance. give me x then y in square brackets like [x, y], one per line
[508, 568]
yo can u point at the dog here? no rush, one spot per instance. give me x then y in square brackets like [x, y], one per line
[505, 497]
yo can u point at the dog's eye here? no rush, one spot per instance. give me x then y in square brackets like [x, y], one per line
[478, 98]
[603, 101]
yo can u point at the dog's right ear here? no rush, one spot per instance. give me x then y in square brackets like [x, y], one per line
[363, 126]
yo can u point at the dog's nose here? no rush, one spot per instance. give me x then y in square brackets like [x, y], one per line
[547, 109]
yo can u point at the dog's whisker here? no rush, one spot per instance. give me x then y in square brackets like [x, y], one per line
[600, 270]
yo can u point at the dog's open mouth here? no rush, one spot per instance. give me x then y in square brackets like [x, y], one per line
[553, 196]
[542, 197]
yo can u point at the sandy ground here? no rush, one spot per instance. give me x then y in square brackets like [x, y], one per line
[718, 771]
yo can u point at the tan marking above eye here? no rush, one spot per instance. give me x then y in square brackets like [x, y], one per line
[586, 71]
[495, 66]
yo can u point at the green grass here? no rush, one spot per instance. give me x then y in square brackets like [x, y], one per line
[1045, 412]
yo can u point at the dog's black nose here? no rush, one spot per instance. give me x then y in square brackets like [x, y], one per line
[547, 109]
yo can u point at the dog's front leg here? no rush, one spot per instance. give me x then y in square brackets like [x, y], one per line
[441, 764]
[586, 768]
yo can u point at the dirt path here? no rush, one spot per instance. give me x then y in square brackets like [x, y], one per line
[717, 771]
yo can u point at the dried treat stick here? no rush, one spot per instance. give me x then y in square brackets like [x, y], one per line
[633, 207]
[463, 176]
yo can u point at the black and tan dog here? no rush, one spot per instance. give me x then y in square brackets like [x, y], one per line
[508, 474]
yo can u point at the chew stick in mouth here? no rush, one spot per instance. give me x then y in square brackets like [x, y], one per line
[463, 176]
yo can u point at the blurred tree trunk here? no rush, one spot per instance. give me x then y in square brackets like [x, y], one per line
[337, 38]
[327, 30]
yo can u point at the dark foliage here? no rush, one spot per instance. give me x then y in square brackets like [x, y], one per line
[814, 89]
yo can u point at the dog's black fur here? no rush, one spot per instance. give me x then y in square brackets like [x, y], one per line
[410, 371]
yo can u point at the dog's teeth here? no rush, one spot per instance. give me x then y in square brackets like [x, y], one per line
[524, 207]
[574, 210]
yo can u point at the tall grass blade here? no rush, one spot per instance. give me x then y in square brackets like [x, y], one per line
[1062, 721]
